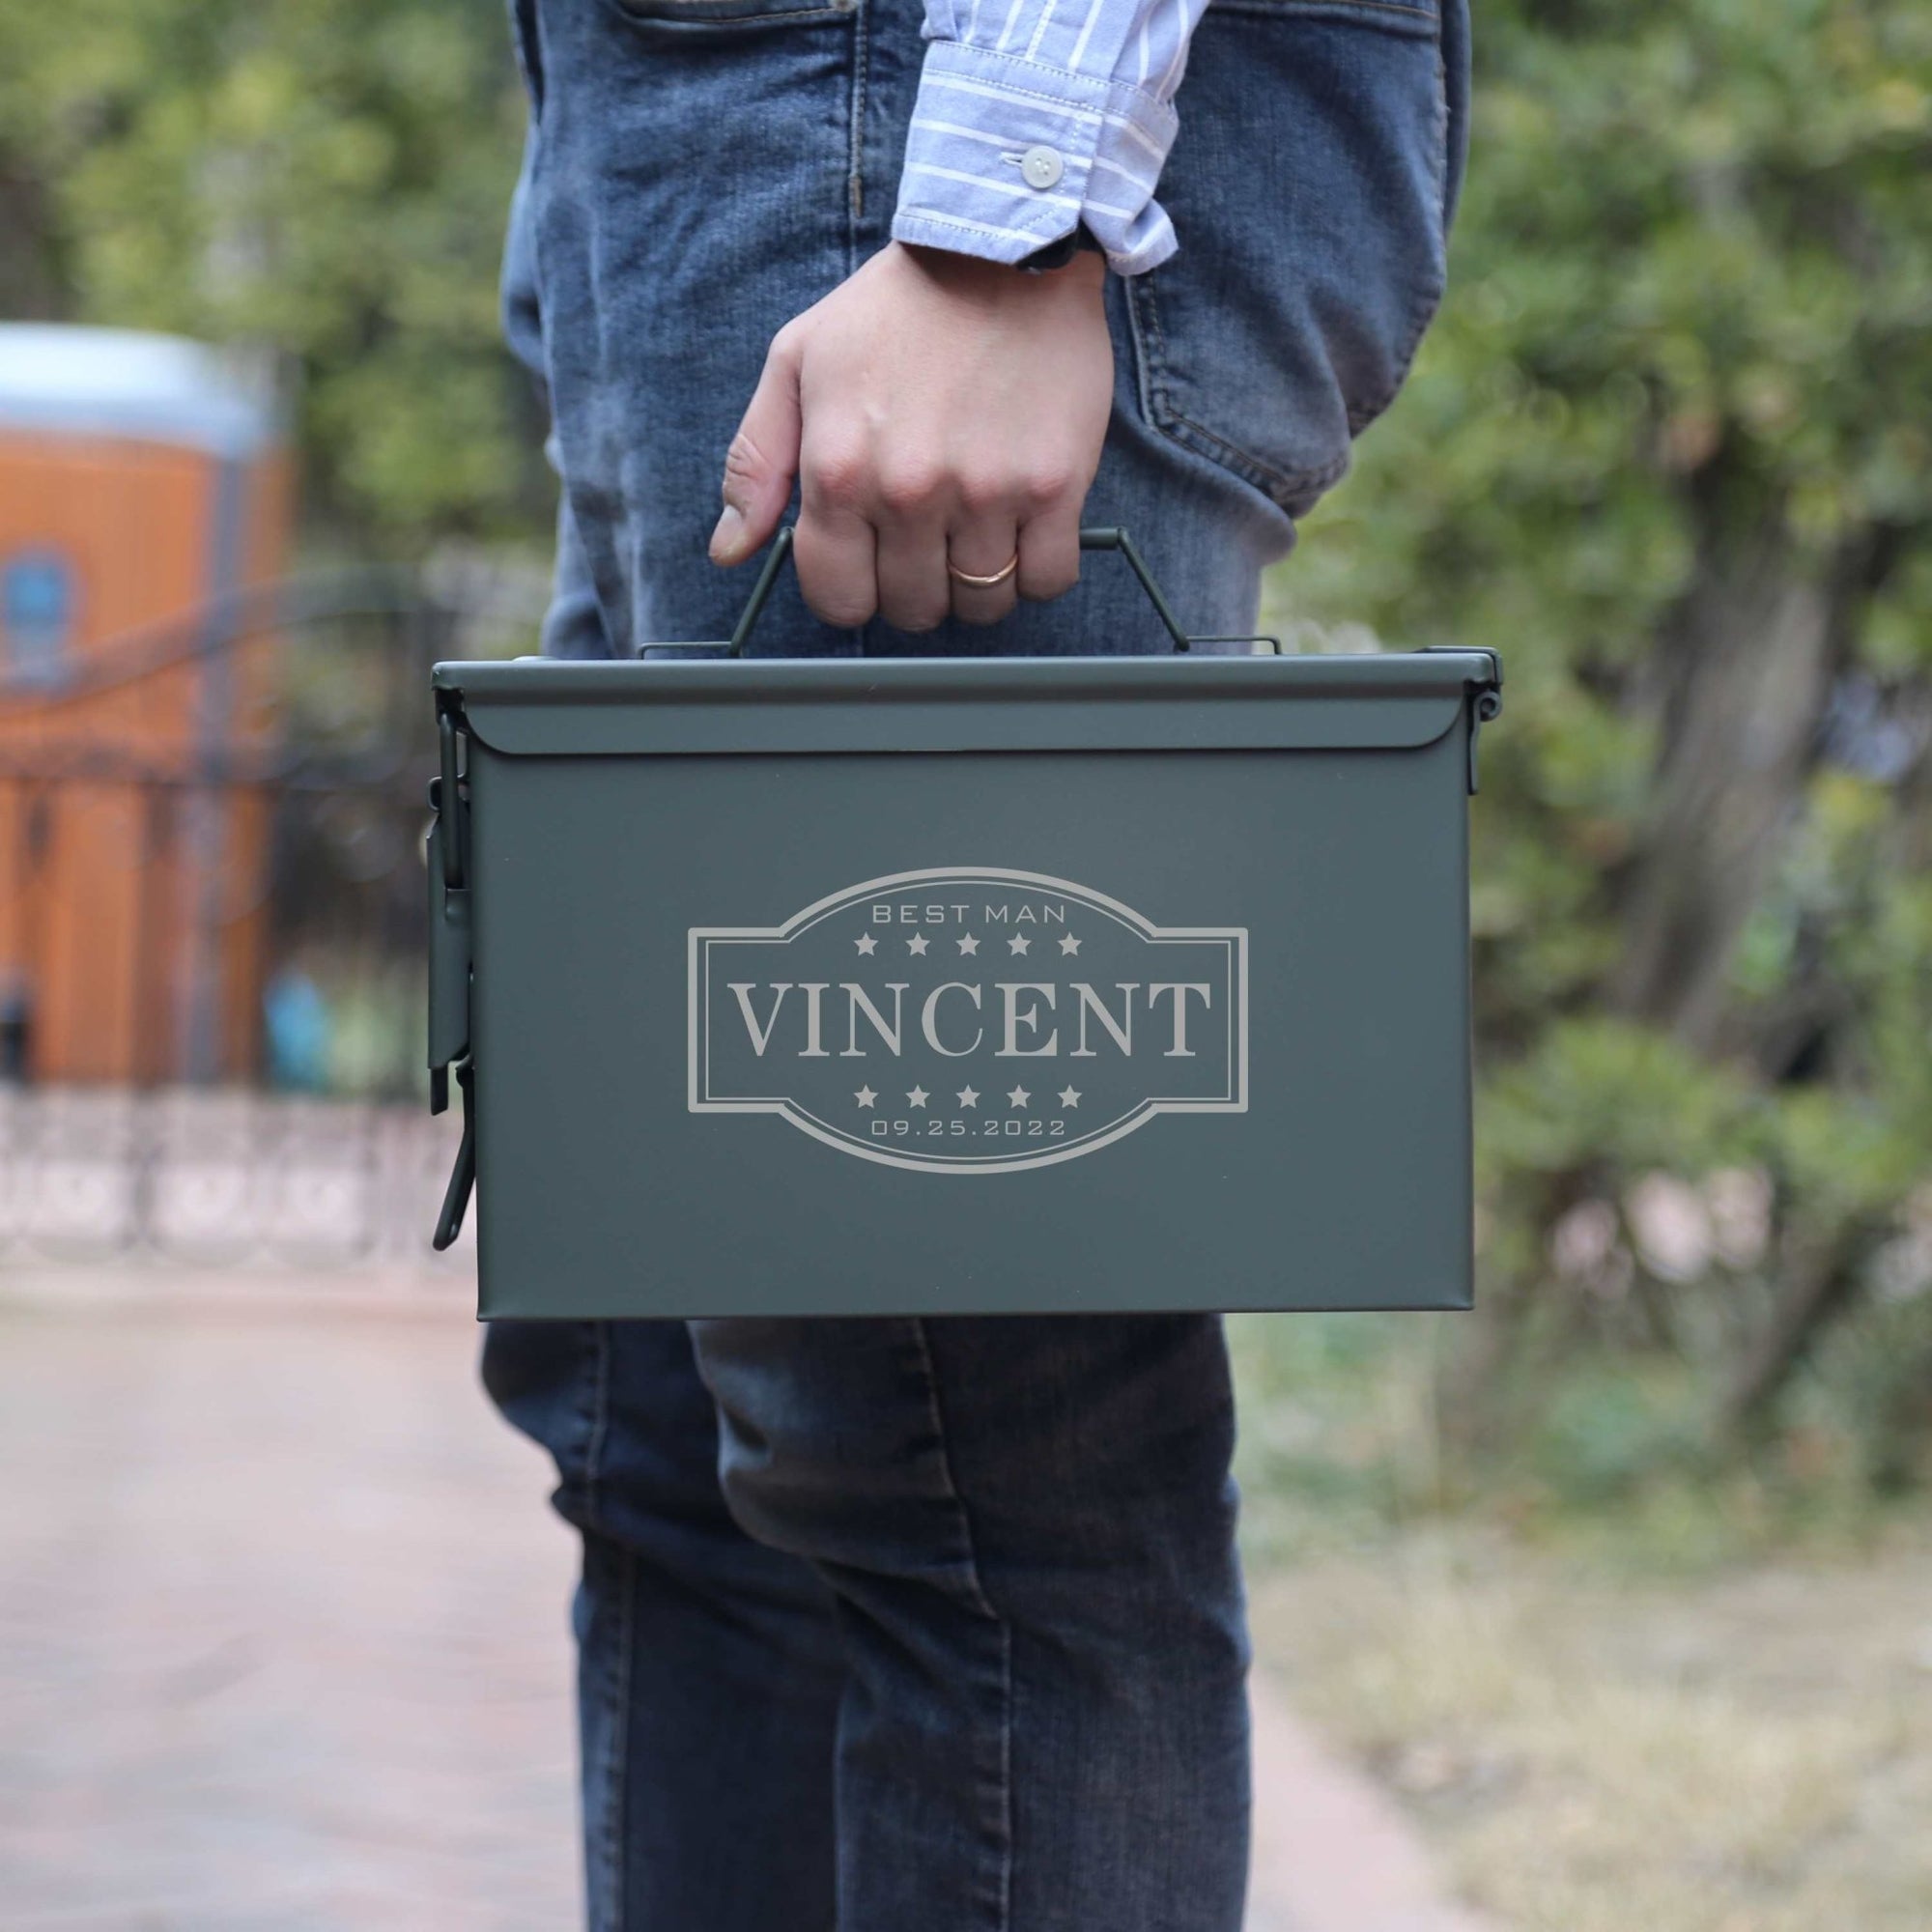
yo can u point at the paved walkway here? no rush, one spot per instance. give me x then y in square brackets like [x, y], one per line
[282, 1635]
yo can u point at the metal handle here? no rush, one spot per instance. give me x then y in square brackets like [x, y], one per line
[1112, 537]
[1102, 537]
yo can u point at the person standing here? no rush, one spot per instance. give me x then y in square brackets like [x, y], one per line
[937, 1624]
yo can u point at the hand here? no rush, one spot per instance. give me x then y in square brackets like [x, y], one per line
[935, 408]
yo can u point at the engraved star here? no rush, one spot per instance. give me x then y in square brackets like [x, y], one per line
[918, 1097]
[969, 944]
[968, 1096]
[1018, 943]
[864, 1097]
[1070, 1096]
[1019, 1096]
[1069, 944]
[916, 943]
[865, 943]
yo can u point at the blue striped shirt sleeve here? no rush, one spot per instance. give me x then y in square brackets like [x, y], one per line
[1033, 114]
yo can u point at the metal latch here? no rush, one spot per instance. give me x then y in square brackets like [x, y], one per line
[1486, 704]
[449, 965]
[462, 1176]
[1484, 697]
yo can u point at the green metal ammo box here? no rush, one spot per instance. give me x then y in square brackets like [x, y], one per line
[867, 986]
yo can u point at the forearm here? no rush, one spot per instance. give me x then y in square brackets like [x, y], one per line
[942, 415]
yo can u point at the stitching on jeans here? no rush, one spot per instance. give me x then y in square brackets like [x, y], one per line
[618, 1755]
[1239, 460]
[1423, 307]
[1282, 486]
[1143, 358]
[983, 1604]
[703, 16]
[1158, 407]
[856, 146]
[1153, 347]
[600, 1423]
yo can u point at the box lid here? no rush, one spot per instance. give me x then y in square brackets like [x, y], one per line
[630, 707]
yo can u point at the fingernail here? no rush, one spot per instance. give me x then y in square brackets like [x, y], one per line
[728, 540]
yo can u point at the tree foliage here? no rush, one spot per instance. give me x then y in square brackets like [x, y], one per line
[325, 180]
[1670, 449]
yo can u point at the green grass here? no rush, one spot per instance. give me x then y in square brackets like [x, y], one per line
[1618, 1677]
[1343, 1448]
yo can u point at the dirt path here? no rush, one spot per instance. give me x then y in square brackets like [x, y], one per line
[283, 1629]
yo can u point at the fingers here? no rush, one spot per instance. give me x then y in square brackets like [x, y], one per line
[881, 519]
[856, 562]
[1050, 551]
[762, 460]
[932, 404]
[836, 555]
[913, 585]
[871, 534]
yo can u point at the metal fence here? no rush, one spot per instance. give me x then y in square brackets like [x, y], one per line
[211, 938]
[216, 1176]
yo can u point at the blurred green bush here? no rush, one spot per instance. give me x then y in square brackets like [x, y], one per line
[323, 180]
[1670, 448]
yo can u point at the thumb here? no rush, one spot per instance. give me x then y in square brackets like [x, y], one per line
[762, 460]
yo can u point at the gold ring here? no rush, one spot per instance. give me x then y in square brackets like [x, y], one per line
[993, 583]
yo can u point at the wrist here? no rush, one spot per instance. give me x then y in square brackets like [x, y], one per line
[1088, 267]
[1077, 241]
[975, 276]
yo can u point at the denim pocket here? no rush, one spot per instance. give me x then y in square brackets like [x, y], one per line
[1310, 189]
[703, 19]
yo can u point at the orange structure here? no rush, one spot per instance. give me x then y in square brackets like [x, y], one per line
[142, 493]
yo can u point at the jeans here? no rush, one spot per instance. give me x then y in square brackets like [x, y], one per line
[921, 1626]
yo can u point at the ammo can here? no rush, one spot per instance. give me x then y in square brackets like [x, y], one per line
[779, 986]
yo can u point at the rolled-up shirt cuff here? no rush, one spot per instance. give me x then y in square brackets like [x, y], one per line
[1006, 155]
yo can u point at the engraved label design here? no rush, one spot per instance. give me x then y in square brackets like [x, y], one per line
[968, 1020]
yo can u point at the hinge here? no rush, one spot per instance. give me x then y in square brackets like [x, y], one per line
[1485, 704]
[449, 947]
[1484, 696]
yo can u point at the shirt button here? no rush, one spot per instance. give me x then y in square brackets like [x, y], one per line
[1041, 167]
